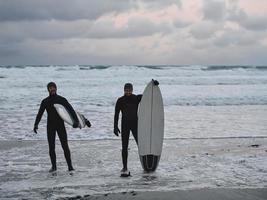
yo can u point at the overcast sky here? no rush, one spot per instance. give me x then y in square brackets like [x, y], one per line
[127, 32]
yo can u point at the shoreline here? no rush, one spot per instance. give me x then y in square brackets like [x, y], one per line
[165, 139]
[196, 194]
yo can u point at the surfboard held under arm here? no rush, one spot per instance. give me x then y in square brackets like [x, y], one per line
[66, 117]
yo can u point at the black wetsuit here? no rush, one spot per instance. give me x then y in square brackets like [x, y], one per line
[128, 106]
[56, 124]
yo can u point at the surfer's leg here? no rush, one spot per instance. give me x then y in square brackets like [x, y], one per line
[134, 131]
[125, 141]
[62, 134]
[51, 137]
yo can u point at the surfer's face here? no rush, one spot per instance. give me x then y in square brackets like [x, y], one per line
[128, 92]
[52, 90]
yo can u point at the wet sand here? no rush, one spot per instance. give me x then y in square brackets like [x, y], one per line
[233, 168]
[200, 194]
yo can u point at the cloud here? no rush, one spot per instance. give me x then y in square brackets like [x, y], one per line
[105, 27]
[214, 10]
[257, 23]
[8, 51]
[155, 4]
[204, 29]
[181, 24]
[11, 32]
[254, 22]
[241, 38]
[132, 32]
[137, 26]
[68, 10]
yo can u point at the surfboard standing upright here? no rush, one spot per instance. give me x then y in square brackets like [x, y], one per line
[150, 127]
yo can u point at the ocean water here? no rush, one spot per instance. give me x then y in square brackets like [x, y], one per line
[199, 101]
[215, 130]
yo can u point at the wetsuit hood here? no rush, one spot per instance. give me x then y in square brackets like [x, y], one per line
[51, 84]
[128, 86]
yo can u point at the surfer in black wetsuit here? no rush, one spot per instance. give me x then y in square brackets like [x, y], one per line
[56, 124]
[127, 105]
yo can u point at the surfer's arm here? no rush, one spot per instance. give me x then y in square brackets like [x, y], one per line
[71, 111]
[139, 97]
[116, 130]
[40, 114]
[117, 112]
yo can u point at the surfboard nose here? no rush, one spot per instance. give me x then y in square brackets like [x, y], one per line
[149, 162]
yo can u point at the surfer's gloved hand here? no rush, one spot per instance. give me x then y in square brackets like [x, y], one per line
[87, 122]
[116, 131]
[35, 129]
[155, 82]
[75, 125]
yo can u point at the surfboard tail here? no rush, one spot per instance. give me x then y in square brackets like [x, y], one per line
[150, 127]
[149, 162]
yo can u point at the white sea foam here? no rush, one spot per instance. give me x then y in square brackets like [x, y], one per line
[200, 101]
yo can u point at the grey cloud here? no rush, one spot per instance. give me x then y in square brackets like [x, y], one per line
[256, 23]
[17, 10]
[235, 14]
[204, 29]
[128, 52]
[237, 38]
[8, 51]
[13, 32]
[156, 4]
[181, 24]
[214, 10]
[136, 27]
[71, 32]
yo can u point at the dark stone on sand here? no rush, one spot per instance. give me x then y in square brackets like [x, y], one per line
[75, 198]
[255, 145]
[133, 193]
[209, 154]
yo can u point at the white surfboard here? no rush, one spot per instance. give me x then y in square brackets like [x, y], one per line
[150, 127]
[64, 114]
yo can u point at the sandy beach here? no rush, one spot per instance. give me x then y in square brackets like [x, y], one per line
[200, 194]
[233, 168]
